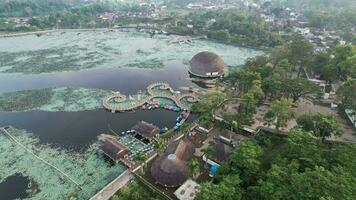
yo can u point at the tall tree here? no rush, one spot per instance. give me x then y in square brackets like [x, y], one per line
[282, 112]
[320, 125]
[245, 162]
[227, 189]
[347, 95]
[194, 168]
[301, 88]
[301, 51]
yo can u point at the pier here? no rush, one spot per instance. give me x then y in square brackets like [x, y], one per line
[117, 102]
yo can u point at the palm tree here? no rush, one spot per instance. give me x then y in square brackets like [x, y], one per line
[141, 158]
[208, 151]
[159, 145]
[194, 168]
[184, 128]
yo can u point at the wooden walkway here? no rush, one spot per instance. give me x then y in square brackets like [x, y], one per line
[109, 190]
[176, 98]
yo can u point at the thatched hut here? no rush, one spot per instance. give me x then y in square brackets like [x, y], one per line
[221, 152]
[207, 65]
[170, 170]
[146, 130]
[114, 150]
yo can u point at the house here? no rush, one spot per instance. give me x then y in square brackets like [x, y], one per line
[221, 152]
[114, 149]
[146, 130]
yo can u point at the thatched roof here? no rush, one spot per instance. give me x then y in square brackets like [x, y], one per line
[221, 151]
[147, 130]
[113, 149]
[207, 64]
[170, 169]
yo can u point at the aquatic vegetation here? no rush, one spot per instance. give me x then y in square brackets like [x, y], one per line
[88, 168]
[54, 52]
[49, 60]
[52, 99]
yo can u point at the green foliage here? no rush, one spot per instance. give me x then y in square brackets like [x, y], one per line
[245, 162]
[140, 157]
[301, 51]
[320, 125]
[235, 26]
[159, 145]
[27, 8]
[135, 191]
[347, 95]
[283, 69]
[281, 112]
[337, 64]
[211, 100]
[296, 166]
[273, 87]
[247, 108]
[301, 88]
[228, 189]
[194, 167]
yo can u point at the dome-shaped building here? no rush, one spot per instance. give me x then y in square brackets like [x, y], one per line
[207, 65]
[170, 169]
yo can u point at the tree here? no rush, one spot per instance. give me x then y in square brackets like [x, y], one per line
[193, 167]
[245, 79]
[283, 69]
[227, 189]
[141, 158]
[207, 152]
[281, 112]
[211, 100]
[244, 161]
[301, 88]
[344, 60]
[320, 125]
[301, 51]
[347, 95]
[159, 145]
[272, 87]
[248, 104]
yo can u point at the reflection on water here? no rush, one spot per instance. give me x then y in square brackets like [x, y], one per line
[79, 129]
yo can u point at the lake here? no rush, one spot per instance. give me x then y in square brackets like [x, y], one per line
[120, 61]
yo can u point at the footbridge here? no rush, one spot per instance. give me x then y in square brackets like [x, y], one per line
[154, 90]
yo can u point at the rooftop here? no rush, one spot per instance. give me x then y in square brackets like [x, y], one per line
[207, 64]
[146, 130]
[170, 169]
